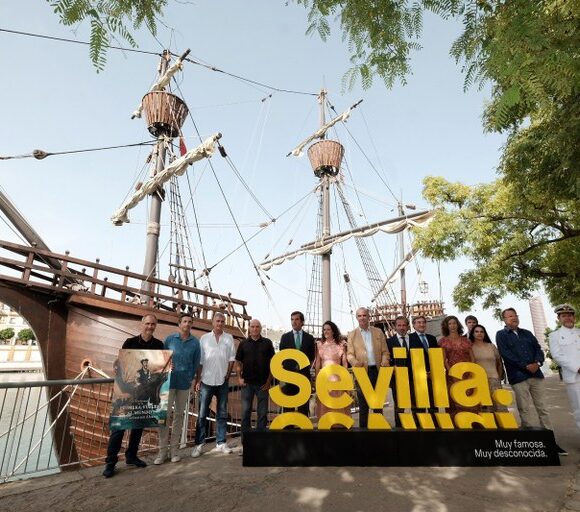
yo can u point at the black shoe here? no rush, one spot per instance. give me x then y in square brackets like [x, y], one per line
[561, 451]
[136, 462]
[109, 471]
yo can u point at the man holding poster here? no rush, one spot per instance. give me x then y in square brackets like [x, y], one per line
[143, 341]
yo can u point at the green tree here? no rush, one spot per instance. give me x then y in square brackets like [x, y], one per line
[517, 238]
[109, 19]
[26, 334]
[522, 230]
[6, 334]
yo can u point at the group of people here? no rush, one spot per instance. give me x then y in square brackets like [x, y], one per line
[209, 362]
[205, 364]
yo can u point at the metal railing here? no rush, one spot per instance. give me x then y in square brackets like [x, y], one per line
[49, 426]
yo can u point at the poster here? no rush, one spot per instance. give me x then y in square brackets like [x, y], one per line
[141, 389]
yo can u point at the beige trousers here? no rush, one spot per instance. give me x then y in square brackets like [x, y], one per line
[178, 400]
[530, 395]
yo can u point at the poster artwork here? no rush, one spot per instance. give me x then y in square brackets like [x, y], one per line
[141, 389]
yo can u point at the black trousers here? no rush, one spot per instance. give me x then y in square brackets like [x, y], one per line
[115, 442]
[363, 407]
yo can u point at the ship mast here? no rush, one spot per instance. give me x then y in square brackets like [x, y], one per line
[401, 237]
[156, 198]
[325, 184]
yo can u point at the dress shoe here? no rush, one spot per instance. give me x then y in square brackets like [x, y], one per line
[136, 462]
[109, 470]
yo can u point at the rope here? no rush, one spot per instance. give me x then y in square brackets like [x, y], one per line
[75, 41]
[187, 59]
[248, 80]
[244, 183]
[364, 154]
[39, 154]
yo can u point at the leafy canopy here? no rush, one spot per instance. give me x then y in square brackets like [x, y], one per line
[517, 238]
[109, 19]
[26, 334]
[522, 230]
[6, 334]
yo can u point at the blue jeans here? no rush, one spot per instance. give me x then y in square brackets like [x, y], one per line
[248, 393]
[205, 396]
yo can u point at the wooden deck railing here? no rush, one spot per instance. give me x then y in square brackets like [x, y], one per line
[30, 266]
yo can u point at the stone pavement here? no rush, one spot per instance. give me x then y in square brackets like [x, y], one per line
[219, 482]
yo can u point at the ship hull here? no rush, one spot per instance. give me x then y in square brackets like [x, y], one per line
[79, 330]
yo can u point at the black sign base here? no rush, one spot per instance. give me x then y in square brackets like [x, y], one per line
[529, 447]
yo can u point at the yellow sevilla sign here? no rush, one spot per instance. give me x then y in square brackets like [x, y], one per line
[470, 390]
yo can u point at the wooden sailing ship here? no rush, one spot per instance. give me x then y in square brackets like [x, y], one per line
[82, 311]
[326, 157]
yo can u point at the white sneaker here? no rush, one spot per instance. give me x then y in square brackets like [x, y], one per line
[197, 450]
[222, 448]
[175, 458]
[160, 459]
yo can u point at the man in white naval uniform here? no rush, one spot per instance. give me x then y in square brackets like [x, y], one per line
[565, 350]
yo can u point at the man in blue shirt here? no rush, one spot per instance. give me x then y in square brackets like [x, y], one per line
[523, 358]
[185, 361]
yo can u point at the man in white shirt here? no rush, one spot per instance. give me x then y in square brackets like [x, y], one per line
[217, 359]
[565, 350]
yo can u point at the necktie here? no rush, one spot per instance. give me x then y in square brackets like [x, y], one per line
[403, 342]
[297, 340]
[424, 341]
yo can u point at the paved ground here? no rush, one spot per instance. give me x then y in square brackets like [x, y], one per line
[219, 482]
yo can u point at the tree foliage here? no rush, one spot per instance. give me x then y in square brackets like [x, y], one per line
[6, 334]
[522, 230]
[109, 19]
[516, 238]
[26, 334]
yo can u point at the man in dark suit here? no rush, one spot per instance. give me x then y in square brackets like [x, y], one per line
[400, 339]
[300, 340]
[420, 339]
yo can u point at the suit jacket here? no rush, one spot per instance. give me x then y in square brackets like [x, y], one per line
[307, 346]
[356, 351]
[392, 343]
[415, 342]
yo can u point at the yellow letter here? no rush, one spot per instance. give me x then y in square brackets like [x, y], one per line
[403, 398]
[438, 380]
[377, 396]
[466, 419]
[324, 386]
[407, 420]
[504, 419]
[279, 373]
[425, 421]
[444, 421]
[420, 378]
[328, 420]
[294, 419]
[477, 382]
[378, 422]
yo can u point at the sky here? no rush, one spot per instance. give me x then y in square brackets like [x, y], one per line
[53, 99]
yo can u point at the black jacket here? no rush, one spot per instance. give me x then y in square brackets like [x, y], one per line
[308, 347]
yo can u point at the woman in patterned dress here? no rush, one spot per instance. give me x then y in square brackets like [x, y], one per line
[330, 350]
[456, 349]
